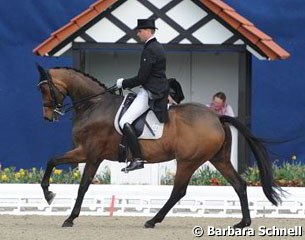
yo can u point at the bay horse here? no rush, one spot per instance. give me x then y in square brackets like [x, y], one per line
[193, 135]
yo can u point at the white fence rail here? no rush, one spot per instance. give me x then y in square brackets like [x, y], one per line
[146, 200]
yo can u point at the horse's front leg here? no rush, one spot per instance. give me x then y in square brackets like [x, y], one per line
[45, 183]
[74, 156]
[89, 172]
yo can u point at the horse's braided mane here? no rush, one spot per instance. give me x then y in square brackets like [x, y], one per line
[85, 74]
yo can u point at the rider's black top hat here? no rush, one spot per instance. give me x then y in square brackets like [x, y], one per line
[146, 23]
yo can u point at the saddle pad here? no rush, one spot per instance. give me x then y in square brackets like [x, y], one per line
[144, 131]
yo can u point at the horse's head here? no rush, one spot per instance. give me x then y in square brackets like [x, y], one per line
[52, 95]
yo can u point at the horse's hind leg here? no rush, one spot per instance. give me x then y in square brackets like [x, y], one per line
[223, 164]
[89, 172]
[240, 187]
[74, 156]
[184, 172]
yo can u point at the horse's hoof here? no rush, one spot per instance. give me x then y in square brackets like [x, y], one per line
[242, 224]
[67, 224]
[149, 224]
[50, 197]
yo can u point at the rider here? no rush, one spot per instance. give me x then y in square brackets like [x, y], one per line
[153, 94]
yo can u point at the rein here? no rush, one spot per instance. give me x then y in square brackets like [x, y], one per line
[71, 106]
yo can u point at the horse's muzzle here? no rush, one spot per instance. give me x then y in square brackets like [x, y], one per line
[54, 117]
[48, 119]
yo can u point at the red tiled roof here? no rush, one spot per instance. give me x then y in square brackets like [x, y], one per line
[247, 29]
[75, 24]
[264, 42]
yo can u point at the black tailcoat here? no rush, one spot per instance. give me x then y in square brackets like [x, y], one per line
[151, 76]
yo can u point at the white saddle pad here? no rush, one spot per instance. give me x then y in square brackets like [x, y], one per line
[154, 131]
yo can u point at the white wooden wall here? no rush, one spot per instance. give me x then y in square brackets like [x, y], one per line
[144, 200]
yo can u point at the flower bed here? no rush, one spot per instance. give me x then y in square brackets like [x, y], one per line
[34, 175]
[286, 175]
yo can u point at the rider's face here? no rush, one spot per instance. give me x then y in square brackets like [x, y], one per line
[144, 34]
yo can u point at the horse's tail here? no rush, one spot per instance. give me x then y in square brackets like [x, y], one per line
[263, 161]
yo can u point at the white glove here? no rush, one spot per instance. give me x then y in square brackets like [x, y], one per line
[119, 83]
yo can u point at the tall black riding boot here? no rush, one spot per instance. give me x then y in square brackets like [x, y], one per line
[134, 146]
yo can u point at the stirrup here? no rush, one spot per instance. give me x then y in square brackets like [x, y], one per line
[133, 165]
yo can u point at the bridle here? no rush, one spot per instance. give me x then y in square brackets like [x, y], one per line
[57, 97]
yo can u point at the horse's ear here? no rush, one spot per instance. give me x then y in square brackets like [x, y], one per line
[42, 73]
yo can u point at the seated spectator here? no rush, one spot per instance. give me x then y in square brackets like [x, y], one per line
[220, 106]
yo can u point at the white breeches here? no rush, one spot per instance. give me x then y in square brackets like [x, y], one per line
[136, 109]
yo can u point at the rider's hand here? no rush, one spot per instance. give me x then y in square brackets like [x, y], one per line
[119, 83]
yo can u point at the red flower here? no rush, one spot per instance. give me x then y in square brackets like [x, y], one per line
[214, 181]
